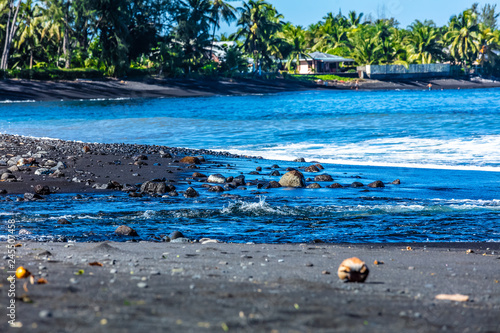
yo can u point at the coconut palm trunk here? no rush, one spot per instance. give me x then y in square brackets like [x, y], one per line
[10, 32]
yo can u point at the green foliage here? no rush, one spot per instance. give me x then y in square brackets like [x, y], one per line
[55, 74]
[324, 77]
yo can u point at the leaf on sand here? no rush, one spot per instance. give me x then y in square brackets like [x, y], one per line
[42, 281]
[454, 298]
[95, 263]
[80, 272]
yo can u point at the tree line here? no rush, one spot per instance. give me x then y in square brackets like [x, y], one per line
[175, 37]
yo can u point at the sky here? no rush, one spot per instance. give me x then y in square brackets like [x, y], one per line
[306, 12]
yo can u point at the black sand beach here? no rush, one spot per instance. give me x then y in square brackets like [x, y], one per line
[32, 90]
[254, 288]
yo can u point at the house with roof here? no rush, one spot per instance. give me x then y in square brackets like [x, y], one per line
[322, 63]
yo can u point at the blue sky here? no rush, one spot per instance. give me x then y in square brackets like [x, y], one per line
[305, 12]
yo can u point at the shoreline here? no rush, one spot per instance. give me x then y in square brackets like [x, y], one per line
[32, 90]
[217, 287]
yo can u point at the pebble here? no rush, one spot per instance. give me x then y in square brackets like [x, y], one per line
[142, 285]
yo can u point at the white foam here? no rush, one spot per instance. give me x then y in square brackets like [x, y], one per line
[481, 153]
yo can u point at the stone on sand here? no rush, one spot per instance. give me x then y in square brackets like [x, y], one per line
[124, 230]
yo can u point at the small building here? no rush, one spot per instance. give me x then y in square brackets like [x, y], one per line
[322, 63]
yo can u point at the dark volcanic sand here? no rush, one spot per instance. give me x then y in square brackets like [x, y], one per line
[254, 288]
[32, 90]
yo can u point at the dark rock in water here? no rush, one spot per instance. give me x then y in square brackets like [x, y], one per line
[258, 168]
[272, 184]
[293, 179]
[173, 193]
[314, 185]
[201, 158]
[300, 159]
[259, 186]
[229, 179]
[311, 168]
[275, 166]
[376, 183]
[63, 221]
[335, 185]
[198, 175]
[3, 191]
[319, 166]
[140, 158]
[239, 180]
[323, 178]
[114, 185]
[253, 173]
[396, 182]
[193, 166]
[191, 193]
[124, 230]
[309, 179]
[275, 173]
[135, 194]
[216, 188]
[290, 169]
[357, 184]
[190, 160]
[42, 189]
[150, 186]
[175, 234]
[217, 178]
[32, 196]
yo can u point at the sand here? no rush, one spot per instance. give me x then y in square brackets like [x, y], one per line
[32, 90]
[254, 288]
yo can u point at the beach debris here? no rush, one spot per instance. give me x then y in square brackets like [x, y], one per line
[409, 248]
[22, 273]
[378, 262]
[86, 149]
[41, 281]
[80, 272]
[190, 160]
[216, 178]
[396, 182]
[377, 183]
[18, 245]
[191, 193]
[323, 178]
[311, 168]
[95, 263]
[124, 230]
[353, 270]
[325, 273]
[314, 185]
[142, 285]
[208, 241]
[8, 177]
[454, 297]
[357, 184]
[293, 178]
[469, 251]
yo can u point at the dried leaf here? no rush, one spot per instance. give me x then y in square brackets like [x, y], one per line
[42, 281]
[18, 245]
[95, 263]
[378, 262]
[454, 298]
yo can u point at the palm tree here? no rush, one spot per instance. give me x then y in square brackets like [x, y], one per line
[11, 30]
[367, 48]
[354, 19]
[258, 23]
[221, 11]
[295, 37]
[425, 44]
[29, 29]
[462, 37]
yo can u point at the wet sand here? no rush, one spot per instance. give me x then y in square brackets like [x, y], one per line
[254, 288]
[32, 90]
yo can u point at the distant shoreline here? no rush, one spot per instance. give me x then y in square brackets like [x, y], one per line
[33, 90]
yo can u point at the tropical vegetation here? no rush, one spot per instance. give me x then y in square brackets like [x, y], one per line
[175, 38]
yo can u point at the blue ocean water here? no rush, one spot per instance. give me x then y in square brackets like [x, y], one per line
[443, 145]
